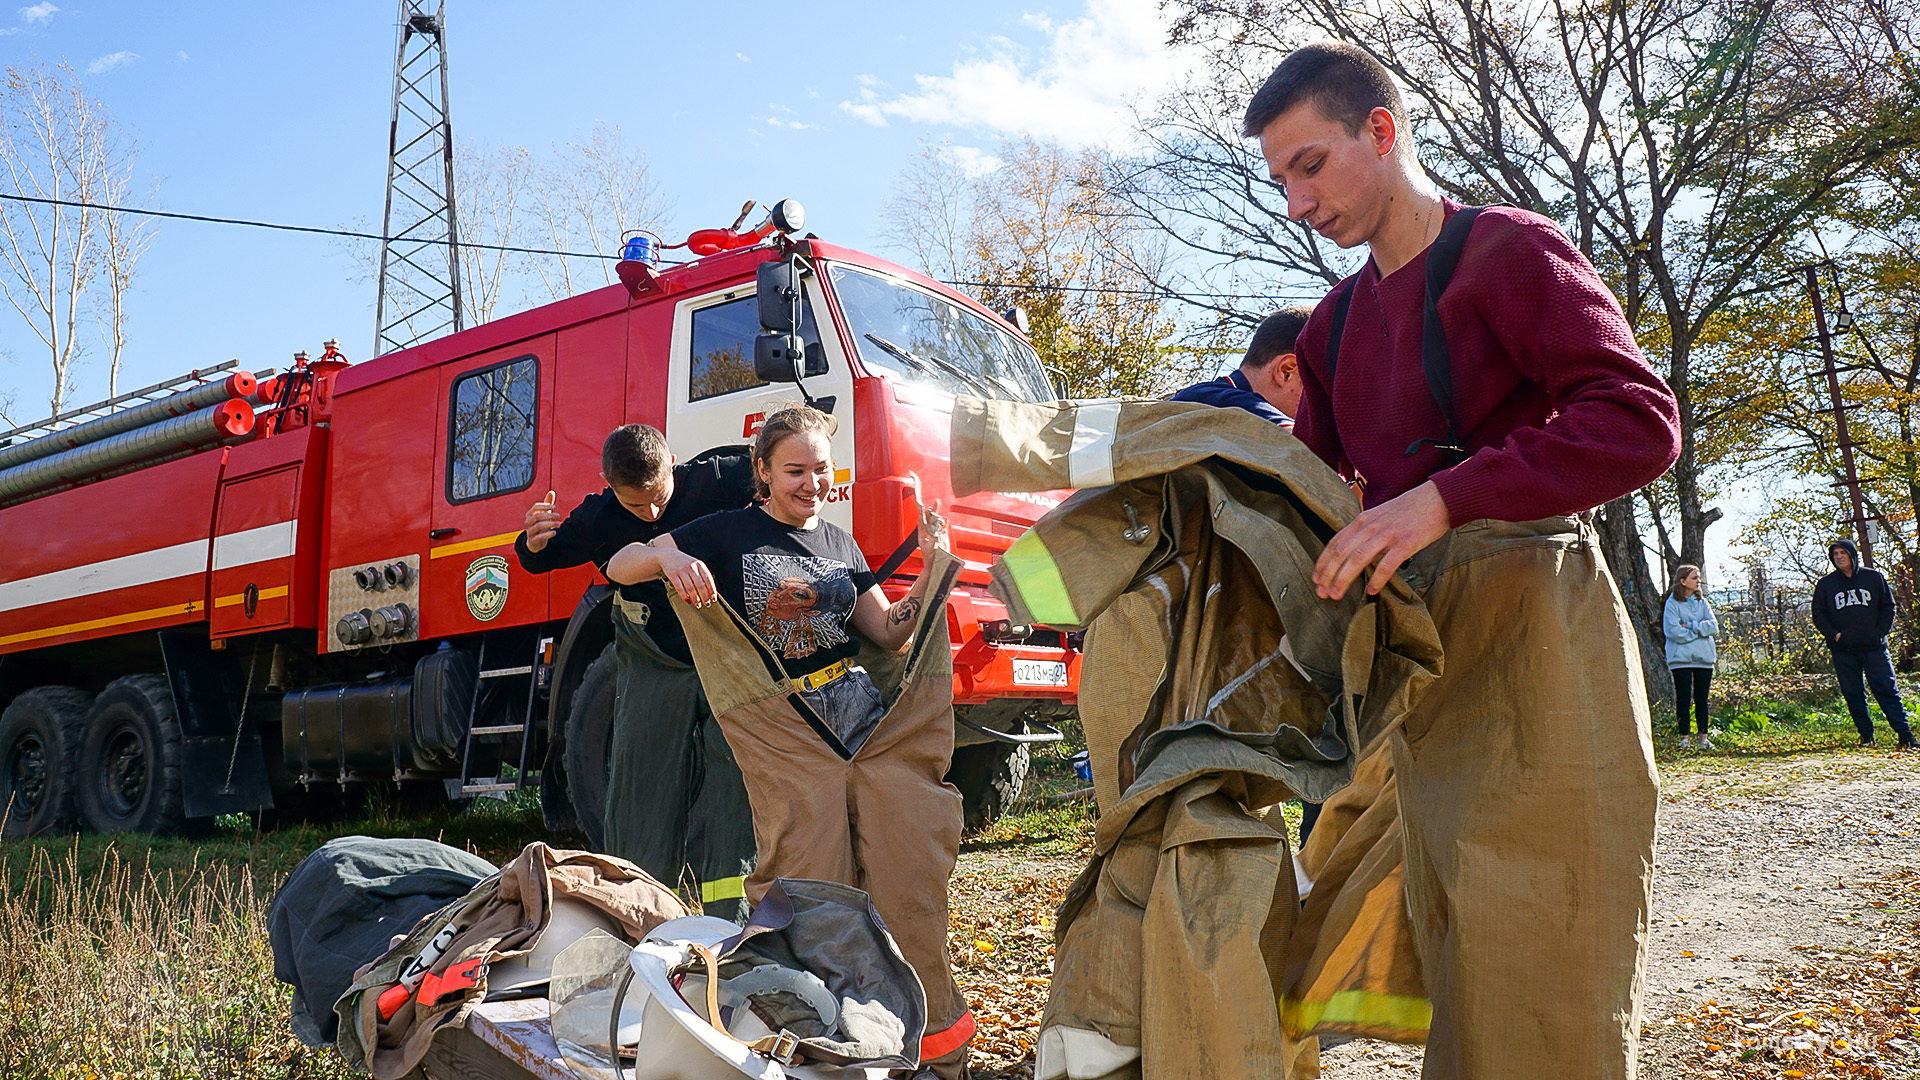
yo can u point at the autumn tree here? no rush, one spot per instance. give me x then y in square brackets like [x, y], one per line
[1684, 145]
[1041, 232]
[58, 146]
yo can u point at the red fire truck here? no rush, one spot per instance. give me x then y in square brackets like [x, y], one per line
[245, 591]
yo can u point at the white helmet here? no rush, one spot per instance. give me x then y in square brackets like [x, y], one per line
[568, 920]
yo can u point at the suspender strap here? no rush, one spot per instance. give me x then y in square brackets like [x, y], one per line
[1341, 300]
[1436, 358]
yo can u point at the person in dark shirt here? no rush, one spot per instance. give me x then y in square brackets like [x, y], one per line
[1853, 610]
[1523, 774]
[1267, 382]
[691, 808]
[647, 495]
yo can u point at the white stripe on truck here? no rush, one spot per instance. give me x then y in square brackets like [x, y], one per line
[147, 567]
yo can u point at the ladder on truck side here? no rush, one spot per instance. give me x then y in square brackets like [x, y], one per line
[541, 664]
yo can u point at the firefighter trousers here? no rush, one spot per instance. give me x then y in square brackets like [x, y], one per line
[885, 821]
[1527, 797]
[675, 798]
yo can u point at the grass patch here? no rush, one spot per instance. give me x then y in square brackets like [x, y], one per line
[133, 957]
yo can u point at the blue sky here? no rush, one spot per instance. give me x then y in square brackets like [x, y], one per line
[279, 113]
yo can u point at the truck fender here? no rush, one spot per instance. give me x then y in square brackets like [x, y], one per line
[588, 631]
[223, 767]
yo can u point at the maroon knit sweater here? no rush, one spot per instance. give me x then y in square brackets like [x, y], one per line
[1552, 398]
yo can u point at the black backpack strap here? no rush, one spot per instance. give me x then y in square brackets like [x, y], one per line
[1341, 300]
[1436, 357]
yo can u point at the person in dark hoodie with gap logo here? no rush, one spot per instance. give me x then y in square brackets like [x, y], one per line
[1853, 610]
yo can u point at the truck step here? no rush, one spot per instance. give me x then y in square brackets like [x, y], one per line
[497, 729]
[501, 673]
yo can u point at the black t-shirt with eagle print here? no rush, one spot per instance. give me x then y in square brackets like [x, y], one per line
[795, 587]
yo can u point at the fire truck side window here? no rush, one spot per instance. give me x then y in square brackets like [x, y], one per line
[721, 360]
[490, 432]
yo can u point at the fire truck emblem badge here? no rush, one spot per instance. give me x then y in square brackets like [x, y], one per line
[487, 587]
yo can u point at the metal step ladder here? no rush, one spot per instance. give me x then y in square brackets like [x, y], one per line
[468, 784]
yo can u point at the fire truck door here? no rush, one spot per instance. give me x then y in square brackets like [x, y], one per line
[253, 549]
[714, 399]
[491, 462]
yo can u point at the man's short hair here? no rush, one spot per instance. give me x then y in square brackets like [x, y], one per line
[635, 456]
[1343, 81]
[1276, 336]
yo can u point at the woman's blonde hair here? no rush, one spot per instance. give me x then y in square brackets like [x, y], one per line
[782, 423]
[1680, 574]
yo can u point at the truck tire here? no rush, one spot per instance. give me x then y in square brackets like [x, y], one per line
[989, 776]
[589, 740]
[128, 776]
[39, 739]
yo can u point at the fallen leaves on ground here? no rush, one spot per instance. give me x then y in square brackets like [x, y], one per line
[1850, 1014]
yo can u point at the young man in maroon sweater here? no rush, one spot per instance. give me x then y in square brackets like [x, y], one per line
[1525, 774]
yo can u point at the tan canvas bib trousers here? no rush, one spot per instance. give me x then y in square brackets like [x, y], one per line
[884, 820]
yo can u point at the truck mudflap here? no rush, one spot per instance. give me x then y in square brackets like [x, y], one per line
[223, 767]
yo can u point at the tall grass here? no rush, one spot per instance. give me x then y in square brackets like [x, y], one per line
[111, 970]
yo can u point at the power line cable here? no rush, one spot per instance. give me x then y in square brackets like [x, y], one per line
[294, 228]
[356, 235]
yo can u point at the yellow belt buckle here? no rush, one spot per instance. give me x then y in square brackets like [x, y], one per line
[817, 679]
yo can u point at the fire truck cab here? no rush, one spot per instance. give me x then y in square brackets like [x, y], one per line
[343, 603]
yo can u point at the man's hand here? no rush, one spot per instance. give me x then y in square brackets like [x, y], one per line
[542, 522]
[933, 533]
[1388, 534]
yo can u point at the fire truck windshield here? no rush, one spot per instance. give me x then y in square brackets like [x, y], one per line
[919, 337]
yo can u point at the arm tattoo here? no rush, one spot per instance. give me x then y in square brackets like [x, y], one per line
[904, 611]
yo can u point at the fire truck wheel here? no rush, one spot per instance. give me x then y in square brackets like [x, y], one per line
[39, 737]
[129, 770]
[589, 740]
[989, 776]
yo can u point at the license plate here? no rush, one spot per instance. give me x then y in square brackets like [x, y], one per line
[1040, 673]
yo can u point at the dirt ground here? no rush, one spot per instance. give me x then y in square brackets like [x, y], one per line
[1785, 937]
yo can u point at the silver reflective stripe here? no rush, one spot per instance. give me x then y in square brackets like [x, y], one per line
[1090, 462]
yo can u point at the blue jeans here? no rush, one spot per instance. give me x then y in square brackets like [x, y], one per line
[1851, 669]
[850, 705]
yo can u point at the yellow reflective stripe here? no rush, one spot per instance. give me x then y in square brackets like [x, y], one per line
[465, 546]
[1038, 578]
[727, 888]
[1411, 1016]
[240, 598]
[187, 608]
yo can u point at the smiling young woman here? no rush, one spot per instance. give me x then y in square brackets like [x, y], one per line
[803, 587]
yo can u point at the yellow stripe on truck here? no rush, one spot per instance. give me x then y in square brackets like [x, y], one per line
[170, 610]
[465, 546]
[238, 598]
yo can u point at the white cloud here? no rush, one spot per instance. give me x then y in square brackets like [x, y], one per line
[9, 31]
[782, 122]
[973, 161]
[183, 57]
[1076, 87]
[38, 14]
[112, 60]
[743, 58]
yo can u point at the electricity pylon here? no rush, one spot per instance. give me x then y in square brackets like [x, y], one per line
[420, 254]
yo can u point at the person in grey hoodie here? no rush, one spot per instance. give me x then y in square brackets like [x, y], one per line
[1853, 610]
[1689, 627]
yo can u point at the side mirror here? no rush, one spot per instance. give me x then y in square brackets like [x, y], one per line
[778, 357]
[778, 287]
[1058, 379]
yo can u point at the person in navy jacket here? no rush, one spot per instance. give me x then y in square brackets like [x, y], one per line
[1267, 382]
[1853, 610]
